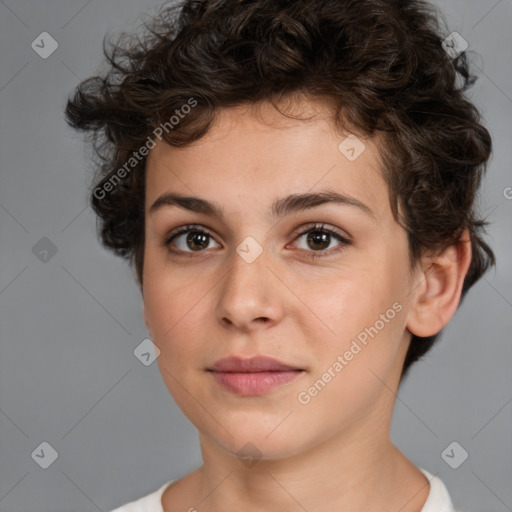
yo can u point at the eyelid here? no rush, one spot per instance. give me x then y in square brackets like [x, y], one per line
[322, 226]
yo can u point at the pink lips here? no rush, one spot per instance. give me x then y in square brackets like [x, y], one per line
[254, 376]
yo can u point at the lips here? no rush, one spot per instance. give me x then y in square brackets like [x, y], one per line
[251, 365]
[254, 376]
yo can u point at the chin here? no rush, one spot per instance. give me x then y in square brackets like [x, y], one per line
[264, 438]
[257, 447]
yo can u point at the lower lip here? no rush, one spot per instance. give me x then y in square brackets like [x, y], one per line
[254, 384]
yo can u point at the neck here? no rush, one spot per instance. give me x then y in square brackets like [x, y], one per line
[340, 473]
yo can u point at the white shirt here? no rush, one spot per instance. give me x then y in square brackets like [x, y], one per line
[438, 499]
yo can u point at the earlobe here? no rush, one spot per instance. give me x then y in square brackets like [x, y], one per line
[438, 288]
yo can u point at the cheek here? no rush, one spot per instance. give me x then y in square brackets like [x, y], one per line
[172, 304]
[352, 366]
[362, 314]
[351, 300]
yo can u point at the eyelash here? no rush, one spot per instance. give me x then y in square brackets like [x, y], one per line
[312, 254]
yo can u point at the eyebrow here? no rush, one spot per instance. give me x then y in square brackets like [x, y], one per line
[280, 208]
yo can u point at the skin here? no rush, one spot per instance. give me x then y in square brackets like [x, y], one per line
[203, 303]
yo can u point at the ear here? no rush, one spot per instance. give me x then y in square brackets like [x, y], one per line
[438, 288]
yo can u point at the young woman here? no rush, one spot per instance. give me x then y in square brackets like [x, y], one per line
[294, 183]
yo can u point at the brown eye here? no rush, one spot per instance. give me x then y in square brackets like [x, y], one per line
[319, 239]
[196, 240]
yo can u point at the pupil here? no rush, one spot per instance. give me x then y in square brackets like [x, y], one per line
[198, 239]
[318, 237]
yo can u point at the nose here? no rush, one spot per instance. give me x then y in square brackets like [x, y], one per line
[250, 296]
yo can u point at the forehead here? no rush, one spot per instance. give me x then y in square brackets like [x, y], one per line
[254, 152]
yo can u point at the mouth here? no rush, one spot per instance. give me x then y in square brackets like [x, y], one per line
[254, 376]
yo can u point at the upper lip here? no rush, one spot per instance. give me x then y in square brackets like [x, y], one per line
[250, 365]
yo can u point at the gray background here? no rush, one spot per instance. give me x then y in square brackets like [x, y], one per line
[68, 375]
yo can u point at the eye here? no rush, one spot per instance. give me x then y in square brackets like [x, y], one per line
[196, 240]
[319, 238]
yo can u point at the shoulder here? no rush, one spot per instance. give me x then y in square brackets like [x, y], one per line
[149, 503]
[438, 498]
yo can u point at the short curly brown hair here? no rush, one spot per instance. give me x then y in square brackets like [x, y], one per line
[380, 64]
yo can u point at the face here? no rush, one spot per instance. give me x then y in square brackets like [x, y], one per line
[249, 271]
